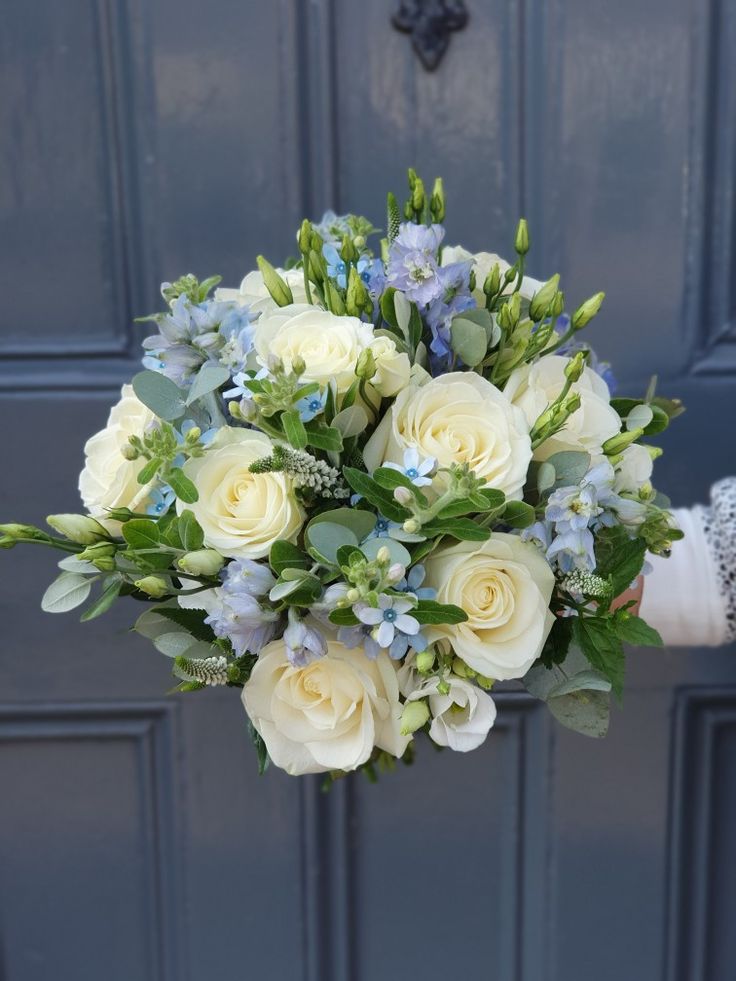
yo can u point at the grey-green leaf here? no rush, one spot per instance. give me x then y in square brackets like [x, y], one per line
[160, 394]
[66, 592]
[209, 377]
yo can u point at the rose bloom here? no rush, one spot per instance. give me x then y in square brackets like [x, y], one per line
[393, 368]
[462, 718]
[504, 585]
[108, 479]
[534, 387]
[328, 715]
[254, 294]
[483, 262]
[328, 344]
[241, 513]
[457, 418]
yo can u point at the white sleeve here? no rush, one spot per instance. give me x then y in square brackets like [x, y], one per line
[690, 597]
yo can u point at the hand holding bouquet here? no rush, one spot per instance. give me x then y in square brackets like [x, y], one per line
[367, 487]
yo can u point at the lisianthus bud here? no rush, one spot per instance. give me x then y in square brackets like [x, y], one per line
[153, 586]
[366, 366]
[521, 242]
[202, 562]
[425, 661]
[485, 683]
[543, 298]
[298, 365]
[348, 252]
[101, 555]
[414, 716]
[575, 366]
[403, 495]
[460, 668]
[17, 531]
[617, 444]
[359, 242]
[277, 286]
[586, 311]
[78, 528]
[492, 282]
[437, 201]
[304, 238]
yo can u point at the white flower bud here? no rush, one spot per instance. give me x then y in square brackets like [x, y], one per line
[414, 716]
[396, 573]
[411, 526]
[383, 555]
[78, 528]
[403, 495]
[203, 562]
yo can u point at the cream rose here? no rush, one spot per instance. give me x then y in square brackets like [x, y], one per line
[504, 585]
[329, 345]
[108, 479]
[393, 368]
[241, 513]
[534, 387]
[634, 469]
[462, 717]
[457, 418]
[328, 715]
[254, 294]
[483, 262]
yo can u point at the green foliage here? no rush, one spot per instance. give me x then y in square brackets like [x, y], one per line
[619, 558]
[209, 378]
[284, 555]
[429, 611]
[469, 340]
[160, 395]
[633, 630]
[519, 514]
[464, 529]
[599, 641]
[189, 532]
[105, 600]
[66, 592]
[182, 486]
[141, 533]
[378, 496]
[294, 429]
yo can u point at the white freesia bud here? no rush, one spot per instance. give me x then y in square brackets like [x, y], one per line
[77, 528]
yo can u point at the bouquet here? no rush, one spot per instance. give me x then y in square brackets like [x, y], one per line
[367, 487]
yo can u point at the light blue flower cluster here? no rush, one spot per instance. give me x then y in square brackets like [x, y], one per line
[573, 514]
[191, 334]
[237, 614]
[439, 291]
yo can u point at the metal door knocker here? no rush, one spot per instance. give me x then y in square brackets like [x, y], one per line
[430, 23]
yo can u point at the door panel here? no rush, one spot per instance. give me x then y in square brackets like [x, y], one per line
[140, 141]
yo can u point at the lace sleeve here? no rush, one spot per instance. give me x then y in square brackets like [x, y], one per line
[719, 528]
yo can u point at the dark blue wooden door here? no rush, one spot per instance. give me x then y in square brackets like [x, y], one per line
[141, 140]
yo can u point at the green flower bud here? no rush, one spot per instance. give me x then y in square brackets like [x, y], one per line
[193, 435]
[418, 196]
[277, 286]
[521, 242]
[437, 201]
[359, 242]
[575, 366]
[461, 669]
[358, 300]
[543, 298]
[492, 283]
[334, 300]
[655, 452]
[317, 266]
[383, 555]
[425, 661]
[352, 595]
[348, 252]
[558, 304]
[366, 365]
[78, 528]
[304, 237]
[411, 526]
[414, 716]
[153, 586]
[586, 311]
[202, 562]
[129, 452]
[101, 555]
[617, 444]
[16, 531]
[443, 687]
[485, 683]
[298, 365]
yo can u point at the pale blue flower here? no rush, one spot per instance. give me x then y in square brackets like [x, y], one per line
[413, 265]
[238, 334]
[332, 228]
[415, 468]
[239, 389]
[384, 528]
[311, 405]
[303, 643]
[238, 615]
[161, 498]
[389, 617]
[573, 550]
[412, 583]
[454, 298]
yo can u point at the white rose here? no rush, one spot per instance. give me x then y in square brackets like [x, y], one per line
[534, 387]
[254, 294]
[328, 715]
[483, 262]
[504, 585]
[457, 418]
[241, 513]
[462, 718]
[393, 368]
[329, 345]
[634, 469]
[108, 479]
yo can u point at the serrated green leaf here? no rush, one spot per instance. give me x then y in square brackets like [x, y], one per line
[633, 630]
[190, 620]
[599, 642]
[141, 533]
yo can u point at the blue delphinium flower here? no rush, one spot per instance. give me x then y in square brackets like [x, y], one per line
[454, 298]
[311, 405]
[373, 274]
[413, 265]
[238, 335]
[573, 549]
[416, 469]
[303, 643]
[237, 614]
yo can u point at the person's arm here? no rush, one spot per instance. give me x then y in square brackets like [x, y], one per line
[690, 597]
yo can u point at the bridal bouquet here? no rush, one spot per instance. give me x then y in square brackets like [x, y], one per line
[367, 487]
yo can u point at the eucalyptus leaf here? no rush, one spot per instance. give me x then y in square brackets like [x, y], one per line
[174, 643]
[469, 340]
[360, 522]
[152, 623]
[160, 394]
[209, 377]
[570, 467]
[73, 563]
[639, 417]
[351, 421]
[66, 592]
[324, 538]
[396, 550]
[587, 712]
